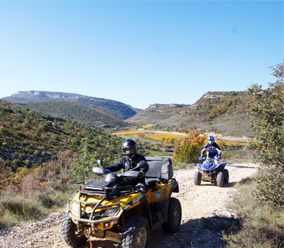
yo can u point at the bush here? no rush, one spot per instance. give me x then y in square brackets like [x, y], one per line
[36, 192]
[187, 153]
[270, 186]
[190, 148]
[82, 170]
[267, 111]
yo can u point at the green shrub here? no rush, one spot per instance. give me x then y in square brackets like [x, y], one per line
[83, 168]
[187, 153]
[270, 186]
[266, 108]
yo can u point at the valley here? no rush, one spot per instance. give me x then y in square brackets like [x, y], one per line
[219, 112]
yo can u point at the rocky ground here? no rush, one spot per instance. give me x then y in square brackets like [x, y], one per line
[205, 216]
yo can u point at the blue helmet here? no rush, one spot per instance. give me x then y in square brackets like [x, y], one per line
[211, 140]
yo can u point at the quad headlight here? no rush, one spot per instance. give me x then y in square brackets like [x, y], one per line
[109, 212]
[103, 213]
[75, 208]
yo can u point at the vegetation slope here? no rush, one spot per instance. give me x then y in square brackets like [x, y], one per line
[74, 111]
[28, 138]
[221, 112]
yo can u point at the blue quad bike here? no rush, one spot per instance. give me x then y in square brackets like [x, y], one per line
[211, 170]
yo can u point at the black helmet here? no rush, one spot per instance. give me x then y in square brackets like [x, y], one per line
[129, 147]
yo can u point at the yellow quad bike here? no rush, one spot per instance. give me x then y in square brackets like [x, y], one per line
[115, 210]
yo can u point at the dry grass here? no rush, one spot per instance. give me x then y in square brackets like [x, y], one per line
[262, 224]
[17, 209]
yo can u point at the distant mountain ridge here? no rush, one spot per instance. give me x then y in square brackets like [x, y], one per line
[97, 112]
[44, 95]
[166, 106]
[215, 111]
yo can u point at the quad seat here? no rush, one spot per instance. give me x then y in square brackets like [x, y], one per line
[160, 169]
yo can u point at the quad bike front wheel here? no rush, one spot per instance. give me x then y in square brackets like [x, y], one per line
[136, 232]
[197, 177]
[220, 179]
[174, 216]
[68, 231]
[226, 176]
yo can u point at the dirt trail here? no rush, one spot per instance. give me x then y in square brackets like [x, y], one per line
[204, 216]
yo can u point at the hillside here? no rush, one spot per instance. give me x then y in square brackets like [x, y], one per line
[113, 108]
[221, 112]
[29, 138]
[74, 111]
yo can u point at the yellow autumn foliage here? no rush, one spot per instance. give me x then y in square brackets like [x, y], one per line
[147, 125]
[164, 136]
[125, 132]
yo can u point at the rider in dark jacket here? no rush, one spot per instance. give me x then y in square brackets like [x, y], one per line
[131, 161]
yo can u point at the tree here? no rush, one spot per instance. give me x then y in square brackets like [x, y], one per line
[267, 111]
[82, 170]
[189, 150]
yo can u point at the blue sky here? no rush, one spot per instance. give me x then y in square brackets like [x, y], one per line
[139, 52]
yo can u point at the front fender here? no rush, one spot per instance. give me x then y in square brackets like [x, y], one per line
[142, 208]
[175, 186]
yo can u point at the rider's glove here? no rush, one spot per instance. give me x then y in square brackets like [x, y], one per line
[141, 174]
[201, 158]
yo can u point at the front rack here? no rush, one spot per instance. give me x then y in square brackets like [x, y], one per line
[105, 193]
[108, 192]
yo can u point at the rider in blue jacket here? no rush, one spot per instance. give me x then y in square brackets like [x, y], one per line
[211, 146]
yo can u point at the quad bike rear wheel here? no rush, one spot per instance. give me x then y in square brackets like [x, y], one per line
[174, 216]
[136, 232]
[68, 230]
[197, 177]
